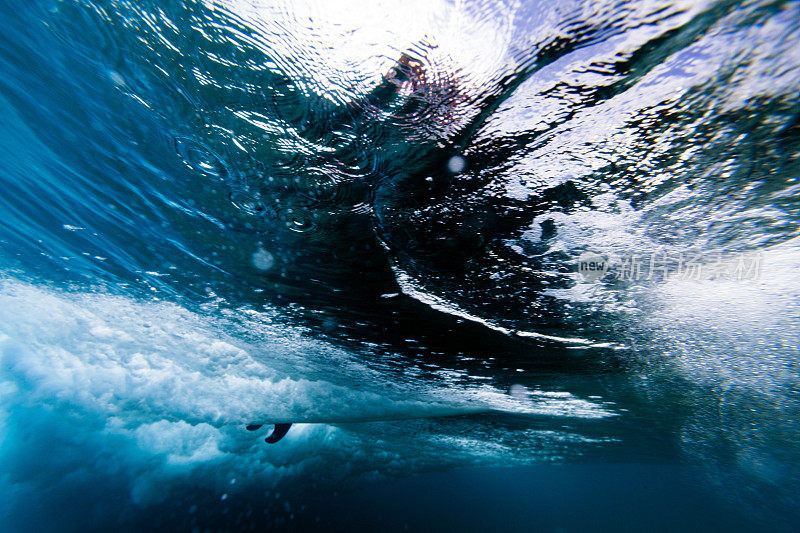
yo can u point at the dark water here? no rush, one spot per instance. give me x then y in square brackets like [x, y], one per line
[375, 221]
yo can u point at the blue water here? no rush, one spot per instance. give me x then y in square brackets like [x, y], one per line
[370, 221]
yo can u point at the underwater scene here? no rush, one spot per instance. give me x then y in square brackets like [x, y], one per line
[440, 265]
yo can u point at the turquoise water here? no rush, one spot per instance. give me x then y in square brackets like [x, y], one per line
[374, 222]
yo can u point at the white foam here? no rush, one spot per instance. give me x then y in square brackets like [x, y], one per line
[107, 392]
[116, 356]
[739, 333]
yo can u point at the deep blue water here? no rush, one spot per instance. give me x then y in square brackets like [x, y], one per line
[375, 221]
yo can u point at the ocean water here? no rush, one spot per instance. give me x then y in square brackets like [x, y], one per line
[503, 265]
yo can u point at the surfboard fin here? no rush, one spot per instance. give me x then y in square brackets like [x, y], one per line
[253, 427]
[278, 433]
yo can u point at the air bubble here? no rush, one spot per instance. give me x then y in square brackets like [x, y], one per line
[519, 392]
[117, 78]
[263, 260]
[456, 164]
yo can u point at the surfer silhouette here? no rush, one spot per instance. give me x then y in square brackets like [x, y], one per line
[407, 75]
